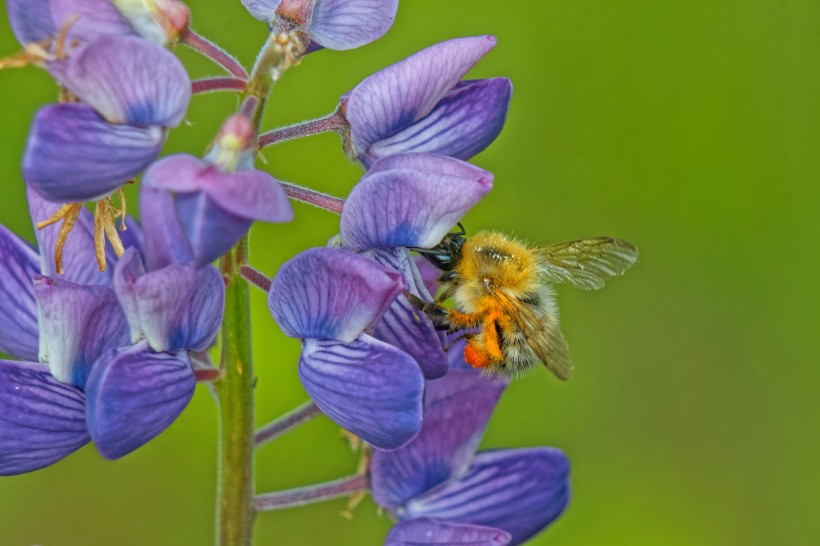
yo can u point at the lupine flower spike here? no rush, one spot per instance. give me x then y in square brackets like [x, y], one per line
[108, 323]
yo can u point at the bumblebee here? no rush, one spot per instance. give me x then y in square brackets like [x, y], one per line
[502, 289]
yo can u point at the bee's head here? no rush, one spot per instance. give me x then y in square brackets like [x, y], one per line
[445, 255]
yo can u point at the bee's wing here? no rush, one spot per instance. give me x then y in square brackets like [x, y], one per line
[586, 263]
[540, 332]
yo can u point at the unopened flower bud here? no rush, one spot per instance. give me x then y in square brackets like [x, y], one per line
[161, 21]
[233, 148]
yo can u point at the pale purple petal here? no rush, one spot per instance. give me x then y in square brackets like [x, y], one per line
[77, 324]
[133, 394]
[31, 20]
[132, 236]
[465, 122]
[74, 155]
[210, 231]
[213, 209]
[41, 419]
[19, 263]
[457, 408]
[176, 307]
[417, 532]
[430, 163]
[250, 194]
[93, 19]
[79, 255]
[405, 92]
[403, 326]
[521, 491]
[346, 24]
[165, 240]
[409, 207]
[128, 80]
[330, 293]
[368, 387]
[264, 10]
[428, 273]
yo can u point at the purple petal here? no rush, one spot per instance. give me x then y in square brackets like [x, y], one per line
[346, 24]
[213, 209]
[403, 326]
[410, 207]
[457, 408]
[176, 307]
[18, 308]
[132, 236]
[251, 194]
[330, 293]
[79, 254]
[133, 394]
[264, 10]
[403, 93]
[93, 19]
[428, 273]
[77, 324]
[368, 387]
[417, 532]
[165, 240]
[210, 231]
[465, 122]
[41, 419]
[521, 491]
[31, 20]
[128, 80]
[75, 155]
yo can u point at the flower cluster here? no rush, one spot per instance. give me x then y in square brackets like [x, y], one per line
[112, 324]
[105, 356]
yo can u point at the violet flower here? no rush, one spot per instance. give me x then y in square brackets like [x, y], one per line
[333, 24]
[331, 299]
[410, 200]
[442, 492]
[132, 91]
[96, 384]
[420, 104]
[207, 205]
[39, 21]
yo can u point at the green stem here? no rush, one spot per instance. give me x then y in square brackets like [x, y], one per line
[235, 493]
[235, 390]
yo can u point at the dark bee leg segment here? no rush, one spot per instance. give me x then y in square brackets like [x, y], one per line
[415, 301]
[464, 335]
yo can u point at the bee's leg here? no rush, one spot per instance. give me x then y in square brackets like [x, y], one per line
[463, 335]
[443, 318]
[492, 337]
[484, 350]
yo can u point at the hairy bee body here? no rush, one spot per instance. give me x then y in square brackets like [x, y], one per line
[491, 263]
[505, 305]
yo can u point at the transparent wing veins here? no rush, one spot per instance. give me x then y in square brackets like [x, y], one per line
[586, 263]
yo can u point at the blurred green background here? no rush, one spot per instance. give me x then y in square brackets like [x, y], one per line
[689, 127]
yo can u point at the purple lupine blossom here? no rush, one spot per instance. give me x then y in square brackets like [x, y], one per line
[97, 385]
[442, 492]
[40, 20]
[331, 299]
[211, 203]
[333, 24]
[132, 91]
[160, 21]
[420, 104]
[410, 200]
